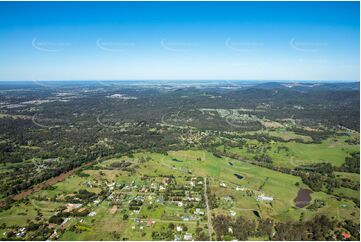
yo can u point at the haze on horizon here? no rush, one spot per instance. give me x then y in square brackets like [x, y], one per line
[180, 40]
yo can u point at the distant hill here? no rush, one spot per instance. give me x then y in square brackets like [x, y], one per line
[309, 86]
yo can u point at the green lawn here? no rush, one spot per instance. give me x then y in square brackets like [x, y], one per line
[332, 150]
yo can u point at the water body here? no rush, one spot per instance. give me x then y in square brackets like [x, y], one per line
[176, 160]
[239, 176]
[230, 163]
[303, 198]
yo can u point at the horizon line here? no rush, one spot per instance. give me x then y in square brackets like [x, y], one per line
[187, 80]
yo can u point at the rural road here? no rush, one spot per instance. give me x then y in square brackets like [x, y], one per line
[209, 221]
[165, 220]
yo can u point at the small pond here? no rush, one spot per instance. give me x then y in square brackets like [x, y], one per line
[176, 160]
[303, 198]
[238, 176]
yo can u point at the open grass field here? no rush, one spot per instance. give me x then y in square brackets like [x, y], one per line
[283, 134]
[22, 212]
[281, 187]
[69, 186]
[353, 176]
[333, 150]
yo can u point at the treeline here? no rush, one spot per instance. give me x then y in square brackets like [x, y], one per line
[316, 135]
[352, 163]
[318, 228]
[241, 228]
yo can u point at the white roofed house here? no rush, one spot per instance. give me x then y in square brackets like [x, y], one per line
[153, 186]
[264, 198]
[187, 236]
[198, 211]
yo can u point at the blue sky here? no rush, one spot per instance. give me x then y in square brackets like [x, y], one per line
[179, 41]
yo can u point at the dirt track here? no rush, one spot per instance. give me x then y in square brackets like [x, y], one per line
[46, 183]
